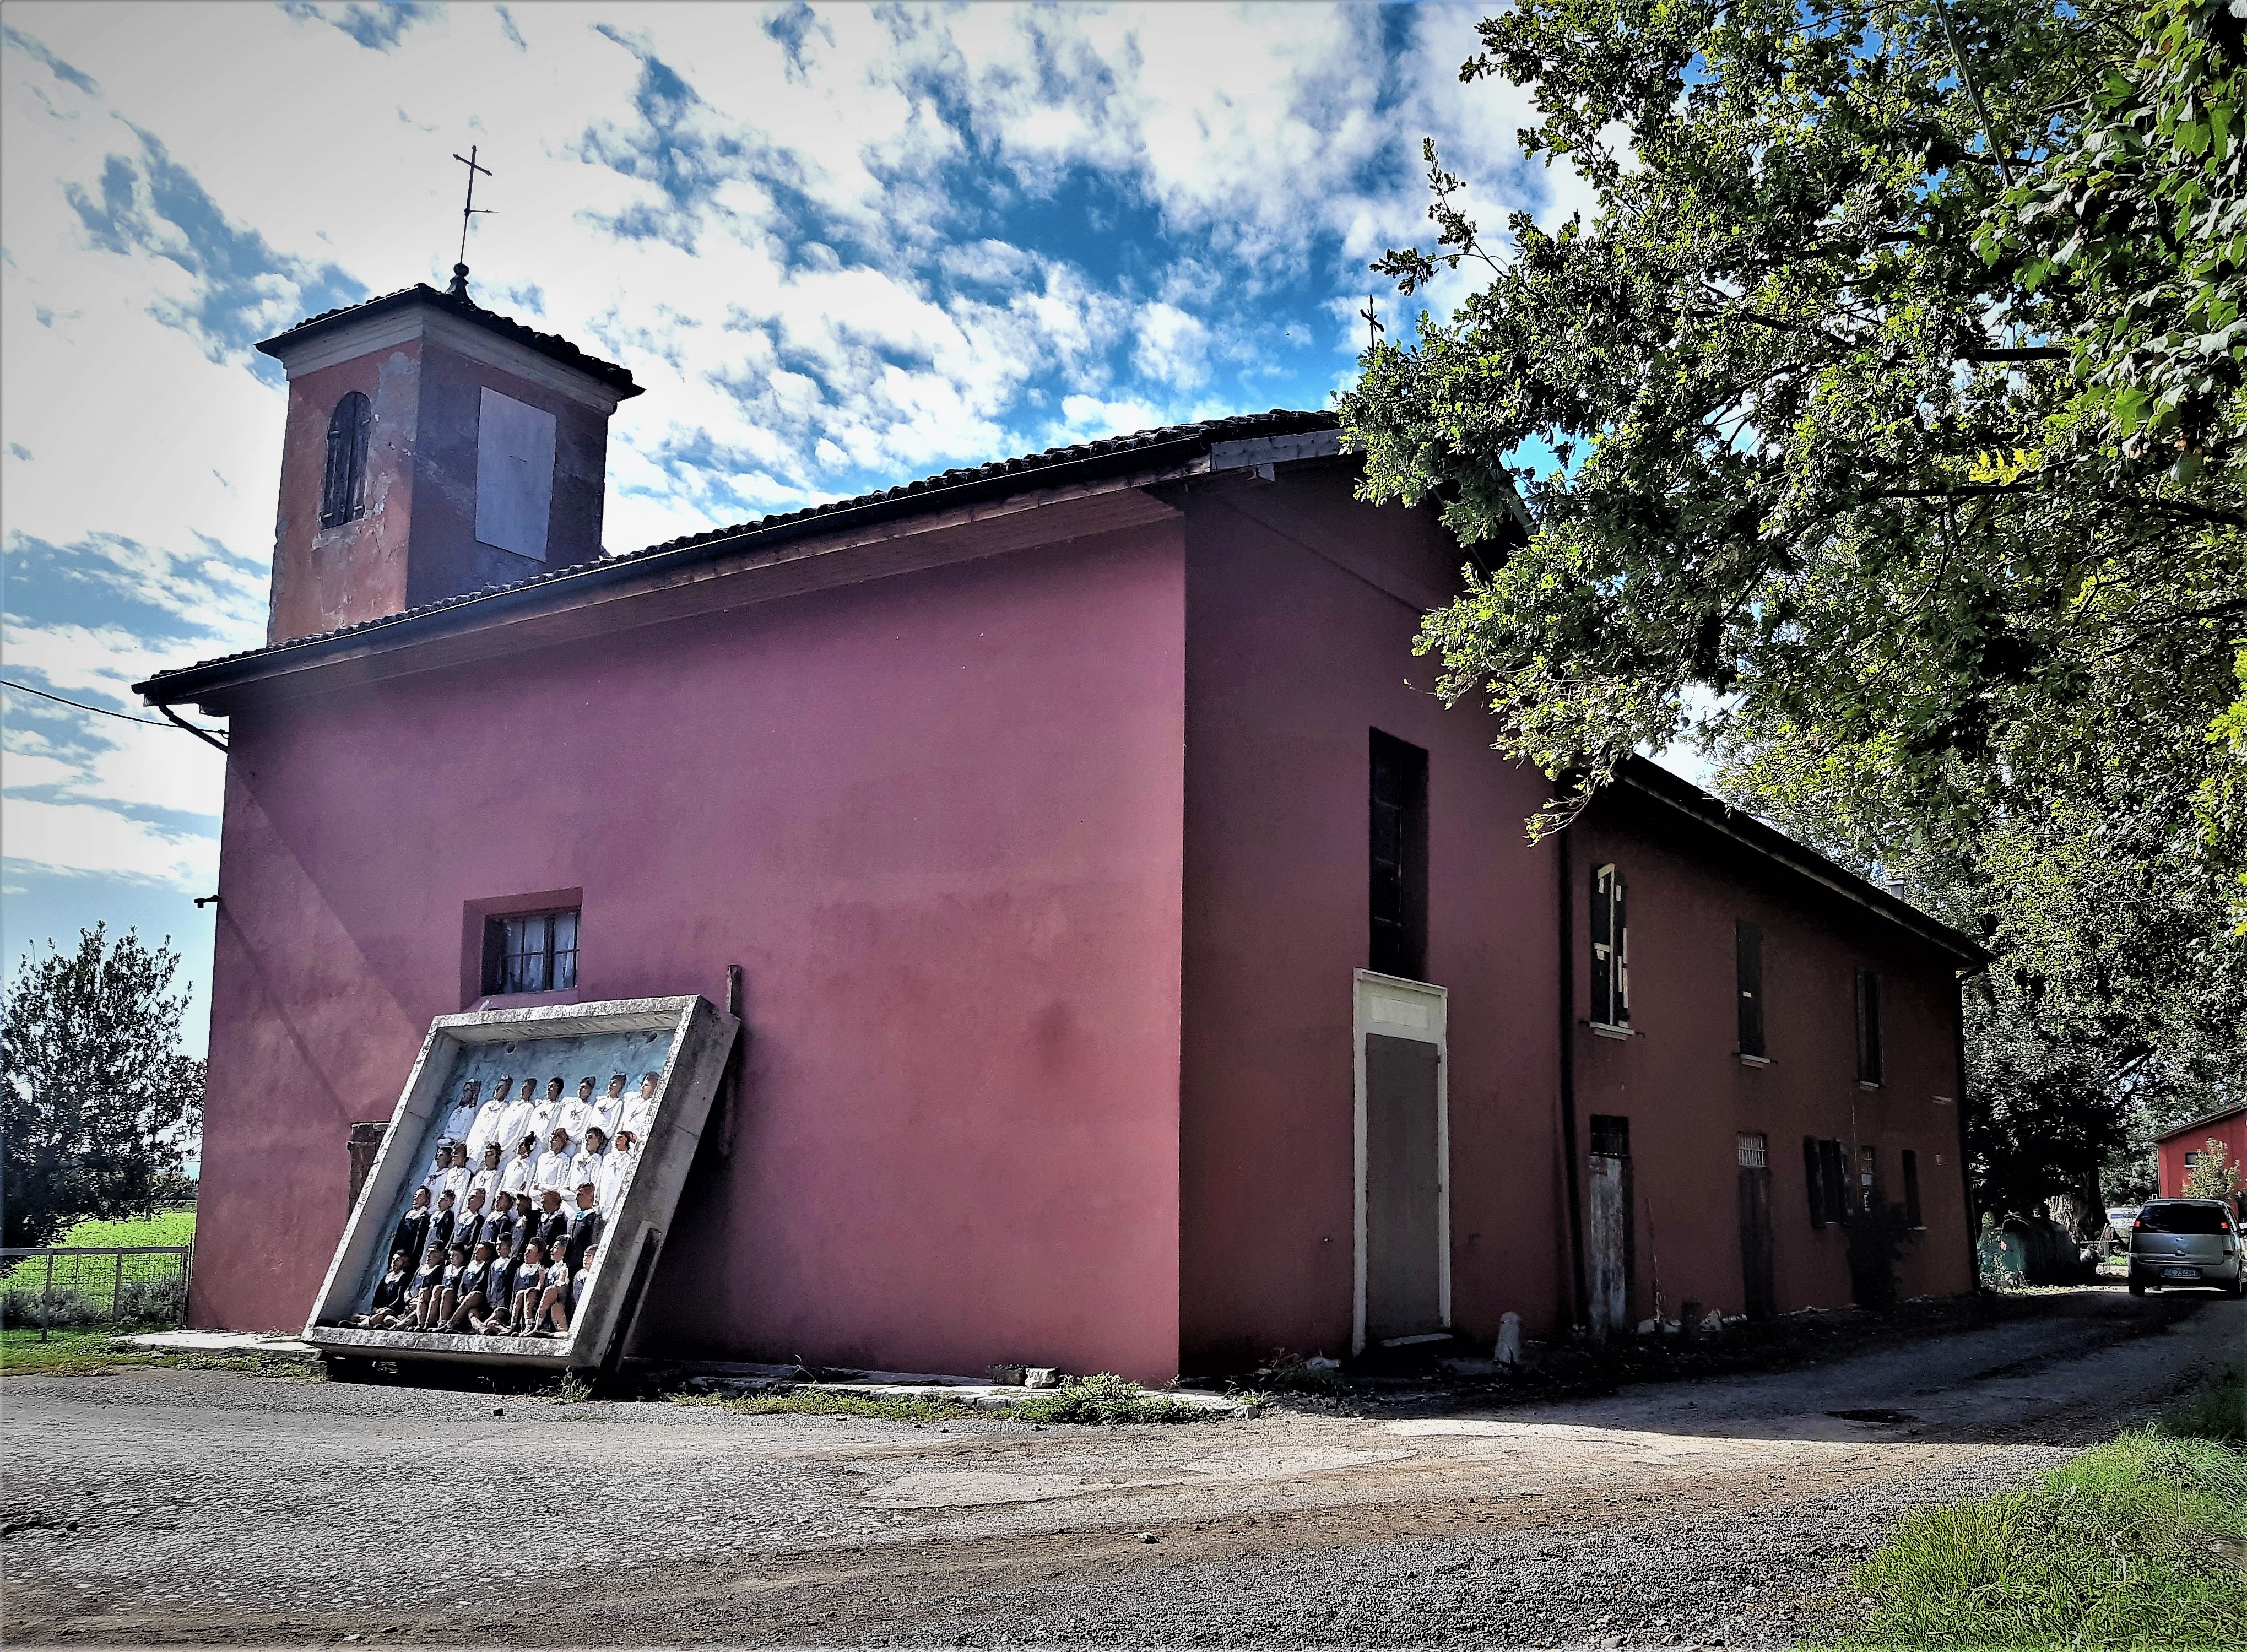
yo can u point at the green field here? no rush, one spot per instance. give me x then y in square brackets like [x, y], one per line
[176, 1225]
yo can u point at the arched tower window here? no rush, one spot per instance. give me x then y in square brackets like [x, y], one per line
[343, 489]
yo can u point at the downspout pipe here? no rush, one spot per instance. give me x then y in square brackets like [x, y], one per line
[1566, 996]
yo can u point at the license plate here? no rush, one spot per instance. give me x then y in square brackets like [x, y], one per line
[2180, 1273]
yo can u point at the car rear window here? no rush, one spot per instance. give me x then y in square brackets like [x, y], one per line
[2182, 1218]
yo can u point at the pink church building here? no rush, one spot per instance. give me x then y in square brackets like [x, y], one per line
[1142, 971]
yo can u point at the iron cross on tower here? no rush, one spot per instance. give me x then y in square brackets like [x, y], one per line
[1373, 327]
[470, 210]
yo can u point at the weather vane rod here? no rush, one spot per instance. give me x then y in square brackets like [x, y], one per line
[468, 211]
[1373, 327]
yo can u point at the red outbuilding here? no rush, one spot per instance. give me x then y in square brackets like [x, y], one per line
[2177, 1152]
[1144, 971]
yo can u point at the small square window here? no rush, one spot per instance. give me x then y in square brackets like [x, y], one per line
[531, 952]
[1754, 1150]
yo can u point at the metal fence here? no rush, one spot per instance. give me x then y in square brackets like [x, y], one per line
[56, 1289]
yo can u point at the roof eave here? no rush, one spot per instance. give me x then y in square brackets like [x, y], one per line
[1650, 779]
[1159, 462]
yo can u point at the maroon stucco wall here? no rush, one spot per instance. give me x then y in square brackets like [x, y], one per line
[938, 820]
[1688, 1096]
[1295, 652]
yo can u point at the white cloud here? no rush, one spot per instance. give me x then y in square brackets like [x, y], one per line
[82, 837]
[838, 248]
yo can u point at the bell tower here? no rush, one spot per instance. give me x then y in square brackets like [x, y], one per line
[434, 449]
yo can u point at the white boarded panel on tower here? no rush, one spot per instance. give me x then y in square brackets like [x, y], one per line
[514, 475]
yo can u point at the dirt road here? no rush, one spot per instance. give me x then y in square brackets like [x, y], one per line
[175, 1506]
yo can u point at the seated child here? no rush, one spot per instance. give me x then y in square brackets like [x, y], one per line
[529, 1285]
[553, 1317]
[467, 1295]
[421, 1290]
[389, 1292]
[448, 1290]
[581, 1277]
[499, 1297]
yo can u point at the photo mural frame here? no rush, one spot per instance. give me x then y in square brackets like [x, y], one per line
[686, 1041]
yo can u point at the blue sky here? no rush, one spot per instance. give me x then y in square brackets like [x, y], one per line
[840, 246]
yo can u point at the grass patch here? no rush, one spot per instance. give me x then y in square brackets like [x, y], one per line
[1108, 1399]
[2218, 1411]
[811, 1402]
[2136, 1543]
[78, 1352]
[174, 1226]
[1102, 1399]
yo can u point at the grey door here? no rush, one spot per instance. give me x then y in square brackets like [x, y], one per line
[1404, 1278]
[1607, 1216]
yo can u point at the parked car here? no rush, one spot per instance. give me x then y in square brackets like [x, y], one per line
[2186, 1242]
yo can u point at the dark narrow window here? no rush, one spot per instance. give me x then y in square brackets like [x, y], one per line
[1911, 1189]
[531, 952]
[1610, 1135]
[1834, 1170]
[1610, 950]
[343, 486]
[1868, 1027]
[1813, 1179]
[1749, 947]
[1869, 1180]
[1398, 845]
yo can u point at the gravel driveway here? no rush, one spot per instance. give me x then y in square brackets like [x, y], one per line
[181, 1506]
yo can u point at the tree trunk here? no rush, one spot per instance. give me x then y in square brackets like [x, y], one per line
[2081, 1210]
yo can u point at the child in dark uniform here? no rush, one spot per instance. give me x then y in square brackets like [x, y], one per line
[529, 1284]
[466, 1297]
[421, 1290]
[499, 1297]
[389, 1295]
[413, 1234]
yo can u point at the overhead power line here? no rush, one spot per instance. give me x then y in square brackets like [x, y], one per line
[104, 711]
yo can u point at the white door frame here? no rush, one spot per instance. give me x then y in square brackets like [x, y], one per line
[1397, 1009]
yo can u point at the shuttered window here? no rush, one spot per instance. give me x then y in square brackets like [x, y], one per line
[1748, 951]
[1398, 840]
[1610, 950]
[1834, 1161]
[343, 483]
[1868, 1027]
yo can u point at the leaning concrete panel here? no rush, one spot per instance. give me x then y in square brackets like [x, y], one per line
[683, 1041]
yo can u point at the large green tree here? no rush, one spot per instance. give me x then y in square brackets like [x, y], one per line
[1879, 431]
[98, 1106]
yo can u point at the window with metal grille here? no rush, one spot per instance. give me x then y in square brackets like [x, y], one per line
[343, 486]
[1754, 1150]
[1868, 1027]
[1610, 1135]
[1911, 1189]
[1867, 1177]
[1748, 958]
[1610, 950]
[1399, 857]
[531, 952]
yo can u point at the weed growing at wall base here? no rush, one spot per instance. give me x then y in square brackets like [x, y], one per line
[2136, 1543]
